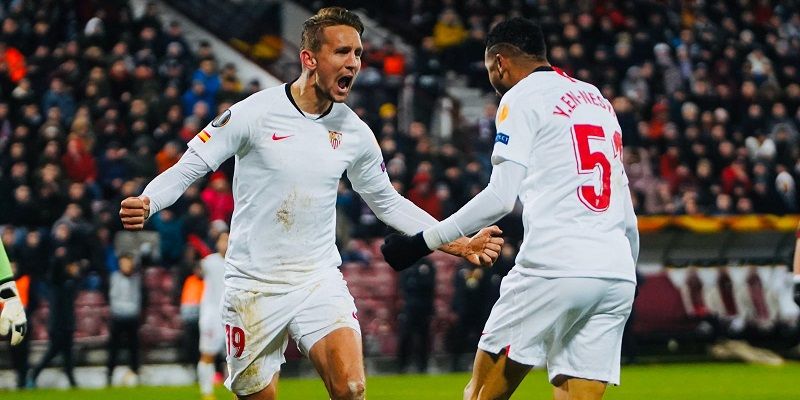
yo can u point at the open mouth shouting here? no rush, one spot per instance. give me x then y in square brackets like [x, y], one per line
[344, 83]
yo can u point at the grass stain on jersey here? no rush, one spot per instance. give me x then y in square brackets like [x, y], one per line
[285, 213]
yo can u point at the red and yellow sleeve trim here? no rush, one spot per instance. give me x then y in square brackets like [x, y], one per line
[204, 136]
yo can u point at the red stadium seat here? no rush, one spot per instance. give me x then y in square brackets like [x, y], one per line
[659, 308]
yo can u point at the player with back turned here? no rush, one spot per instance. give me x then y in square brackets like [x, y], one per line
[291, 144]
[565, 302]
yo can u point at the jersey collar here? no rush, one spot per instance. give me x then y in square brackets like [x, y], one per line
[543, 68]
[288, 88]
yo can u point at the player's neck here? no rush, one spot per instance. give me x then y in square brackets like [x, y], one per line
[521, 71]
[306, 97]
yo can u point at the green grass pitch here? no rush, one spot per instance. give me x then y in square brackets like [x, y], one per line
[648, 382]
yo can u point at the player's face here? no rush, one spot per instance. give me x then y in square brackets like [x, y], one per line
[338, 62]
[492, 64]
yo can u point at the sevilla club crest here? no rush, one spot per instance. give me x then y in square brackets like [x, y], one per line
[335, 138]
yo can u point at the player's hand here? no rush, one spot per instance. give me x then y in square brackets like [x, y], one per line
[402, 251]
[483, 248]
[12, 319]
[134, 211]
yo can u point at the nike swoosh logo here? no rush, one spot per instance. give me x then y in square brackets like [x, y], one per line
[276, 137]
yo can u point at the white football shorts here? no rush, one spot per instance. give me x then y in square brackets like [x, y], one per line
[212, 332]
[572, 325]
[257, 326]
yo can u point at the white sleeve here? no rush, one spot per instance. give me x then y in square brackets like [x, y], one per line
[168, 186]
[228, 134]
[631, 225]
[487, 207]
[369, 178]
[397, 211]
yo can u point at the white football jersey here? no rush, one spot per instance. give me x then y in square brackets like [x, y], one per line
[567, 136]
[213, 267]
[288, 167]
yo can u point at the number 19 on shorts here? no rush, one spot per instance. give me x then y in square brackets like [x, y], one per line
[234, 337]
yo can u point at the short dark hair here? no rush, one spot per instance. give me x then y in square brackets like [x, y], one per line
[311, 38]
[520, 33]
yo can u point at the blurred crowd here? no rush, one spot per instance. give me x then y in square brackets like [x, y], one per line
[94, 102]
[706, 92]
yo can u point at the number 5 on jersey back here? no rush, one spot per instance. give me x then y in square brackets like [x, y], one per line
[588, 161]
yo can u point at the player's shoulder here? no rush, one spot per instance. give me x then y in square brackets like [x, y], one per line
[526, 94]
[589, 87]
[349, 121]
[254, 105]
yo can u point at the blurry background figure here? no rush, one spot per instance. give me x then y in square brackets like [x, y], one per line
[417, 285]
[191, 295]
[212, 332]
[218, 198]
[64, 282]
[20, 352]
[125, 296]
[471, 305]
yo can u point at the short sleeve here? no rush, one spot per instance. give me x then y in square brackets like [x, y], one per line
[225, 136]
[368, 171]
[516, 123]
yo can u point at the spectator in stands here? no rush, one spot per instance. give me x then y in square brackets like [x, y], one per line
[141, 162]
[125, 298]
[168, 156]
[196, 93]
[59, 96]
[429, 68]
[196, 221]
[79, 164]
[218, 197]
[170, 229]
[13, 62]
[207, 74]
[423, 194]
[113, 168]
[448, 34]
[417, 285]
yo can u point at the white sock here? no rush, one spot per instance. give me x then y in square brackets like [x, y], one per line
[205, 377]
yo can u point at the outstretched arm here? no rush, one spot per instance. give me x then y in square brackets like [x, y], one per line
[403, 215]
[491, 204]
[495, 201]
[163, 190]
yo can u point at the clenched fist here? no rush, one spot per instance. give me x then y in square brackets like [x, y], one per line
[134, 211]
